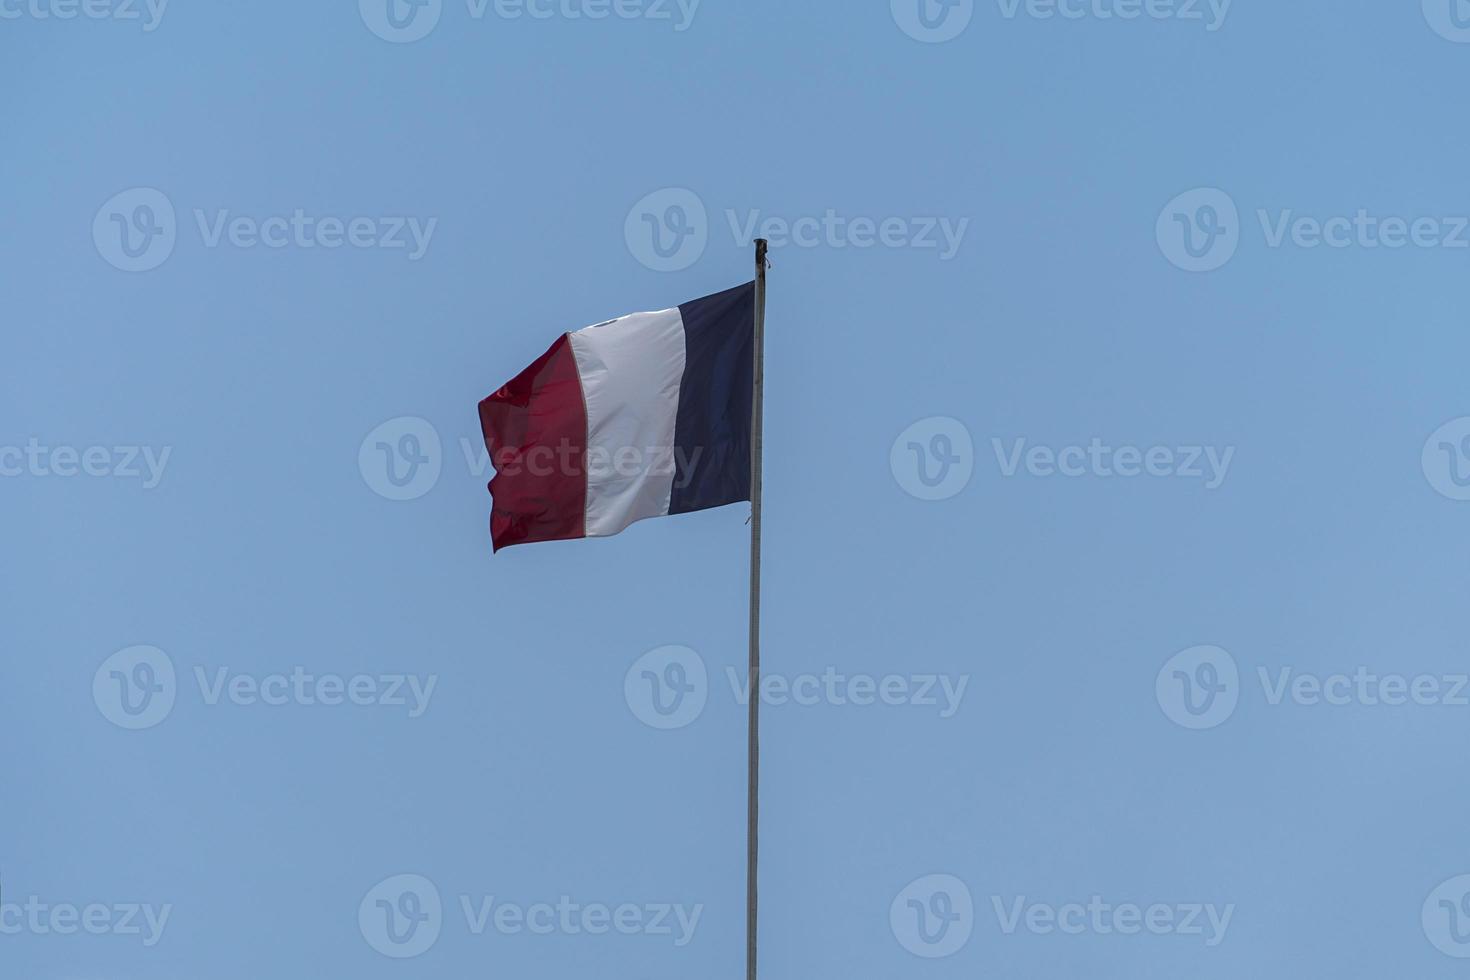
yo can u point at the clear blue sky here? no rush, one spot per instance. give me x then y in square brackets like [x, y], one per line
[1067, 156]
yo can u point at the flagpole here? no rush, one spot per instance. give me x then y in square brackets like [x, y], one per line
[753, 791]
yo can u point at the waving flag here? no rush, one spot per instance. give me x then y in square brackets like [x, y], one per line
[643, 416]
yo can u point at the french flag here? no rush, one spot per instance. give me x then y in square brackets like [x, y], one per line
[643, 416]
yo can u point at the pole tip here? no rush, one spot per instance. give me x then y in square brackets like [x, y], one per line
[761, 246]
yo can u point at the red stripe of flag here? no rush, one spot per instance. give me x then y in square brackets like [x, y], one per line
[536, 431]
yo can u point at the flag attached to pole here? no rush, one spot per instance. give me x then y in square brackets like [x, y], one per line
[643, 416]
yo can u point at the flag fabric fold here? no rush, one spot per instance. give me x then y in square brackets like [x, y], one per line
[643, 416]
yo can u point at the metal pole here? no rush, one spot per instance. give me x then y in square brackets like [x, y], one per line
[753, 792]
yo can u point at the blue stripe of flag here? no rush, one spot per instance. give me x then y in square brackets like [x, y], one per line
[712, 432]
